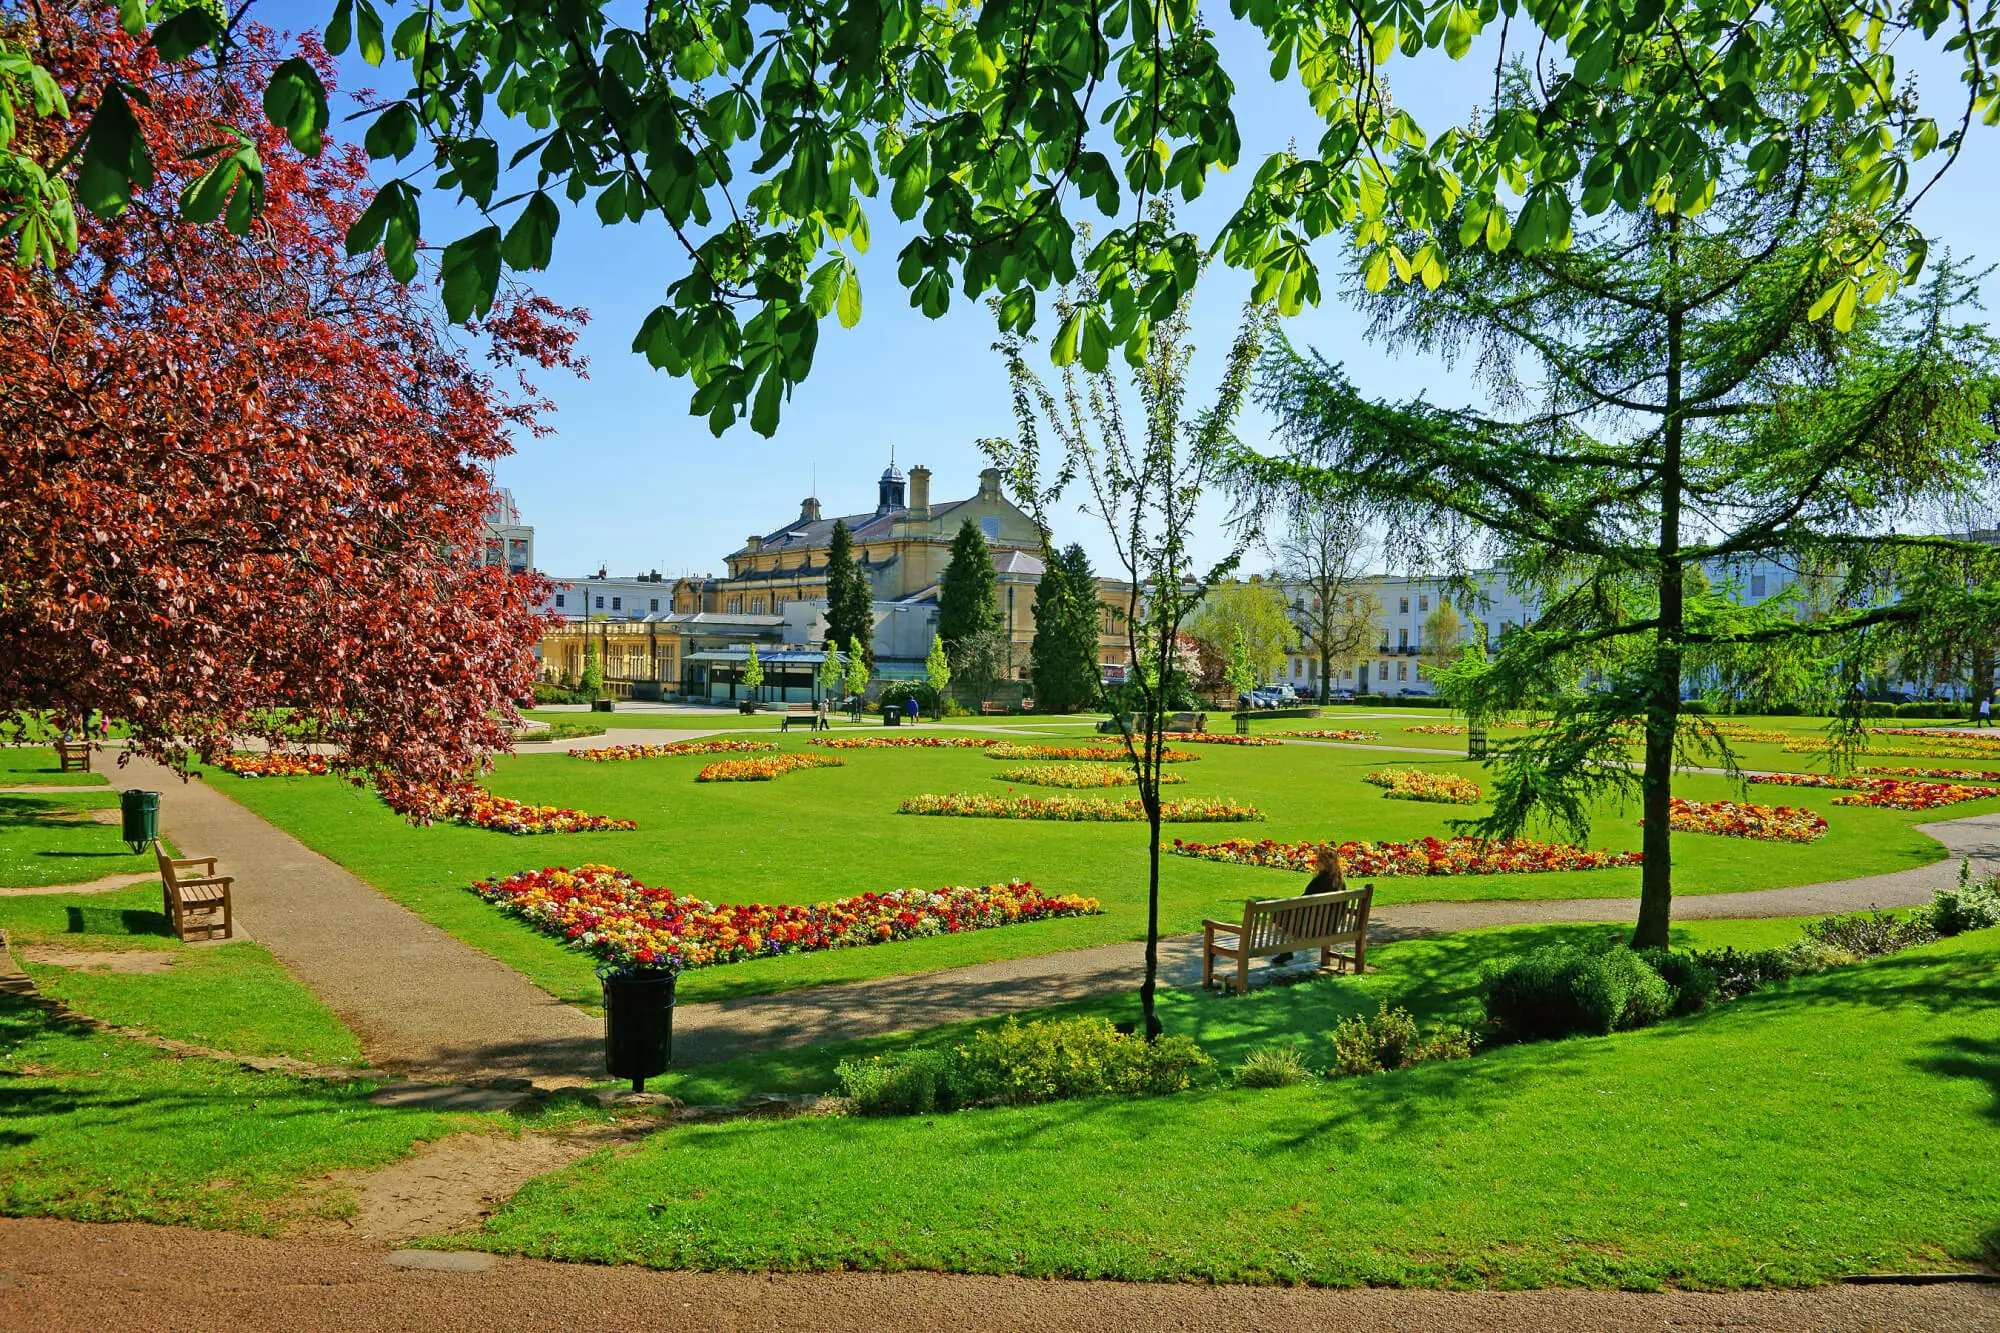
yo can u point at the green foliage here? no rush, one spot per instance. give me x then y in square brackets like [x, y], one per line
[831, 672]
[1022, 1063]
[981, 659]
[1390, 1039]
[850, 604]
[1973, 905]
[966, 604]
[1692, 983]
[1280, 1066]
[591, 686]
[1563, 990]
[1062, 660]
[937, 669]
[915, 1082]
[753, 671]
[858, 674]
[1246, 624]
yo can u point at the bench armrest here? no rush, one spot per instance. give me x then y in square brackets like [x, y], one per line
[224, 880]
[190, 862]
[1233, 927]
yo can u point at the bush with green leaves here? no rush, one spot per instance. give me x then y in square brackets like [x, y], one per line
[1021, 1063]
[1280, 1066]
[1692, 983]
[1562, 990]
[1871, 934]
[1391, 1040]
[1973, 905]
[916, 1082]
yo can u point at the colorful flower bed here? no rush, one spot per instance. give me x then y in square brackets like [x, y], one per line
[1883, 793]
[613, 753]
[1078, 776]
[274, 765]
[1079, 809]
[1413, 784]
[1343, 735]
[1728, 819]
[606, 912]
[764, 770]
[1223, 738]
[1986, 738]
[1951, 774]
[905, 742]
[1425, 856]
[1903, 751]
[1460, 728]
[475, 806]
[1436, 729]
[1098, 753]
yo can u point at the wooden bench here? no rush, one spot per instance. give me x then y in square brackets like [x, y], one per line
[993, 710]
[812, 713]
[1188, 722]
[1290, 925]
[207, 894]
[73, 756]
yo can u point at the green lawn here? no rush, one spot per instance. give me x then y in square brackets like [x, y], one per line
[36, 766]
[816, 835]
[730, 720]
[102, 1129]
[1436, 978]
[231, 997]
[1839, 1124]
[53, 839]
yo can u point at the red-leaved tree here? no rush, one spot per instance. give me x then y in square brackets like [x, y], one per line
[242, 479]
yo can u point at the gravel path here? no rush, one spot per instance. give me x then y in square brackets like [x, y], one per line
[418, 999]
[70, 1275]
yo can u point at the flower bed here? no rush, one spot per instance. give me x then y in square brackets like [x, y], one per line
[1413, 784]
[1097, 753]
[1950, 774]
[274, 765]
[1883, 793]
[905, 742]
[1077, 776]
[1223, 738]
[764, 770]
[1729, 819]
[475, 806]
[1079, 809]
[1436, 729]
[613, 753]
[1903, 751]
[1425, 856]
[606, 912]
[1344, 735]
[1985, 738]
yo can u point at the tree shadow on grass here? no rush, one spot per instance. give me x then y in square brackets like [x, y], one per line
[115, 921]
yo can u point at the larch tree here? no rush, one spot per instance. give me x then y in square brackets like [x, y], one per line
[243, 478]
[1692, 383]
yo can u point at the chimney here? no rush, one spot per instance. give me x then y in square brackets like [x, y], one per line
[753, 544]
[809, 509]
[920, 492]
[989, 483]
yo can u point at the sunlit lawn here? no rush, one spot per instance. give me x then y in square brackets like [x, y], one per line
[54, 839]
[37, 766]
[821, 834]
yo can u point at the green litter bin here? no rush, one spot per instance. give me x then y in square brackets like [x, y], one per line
[139, 813]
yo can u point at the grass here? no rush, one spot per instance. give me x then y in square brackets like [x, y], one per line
[36, 766]
[728, 719]
[821, 835]
[102, 1129]
[232, 997]
[54, 839]
[1838, 1124]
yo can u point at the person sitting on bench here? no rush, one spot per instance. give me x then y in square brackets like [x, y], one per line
[1327, 878]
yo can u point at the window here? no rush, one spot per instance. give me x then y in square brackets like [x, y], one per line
[1402, 671]
[1404, 606]
[559, 599]
[618, 604]
[600, 603]
[1402, 638]
[655, 604]
[756, 606]
[989, 527]
[1381, 671]
[1298, 668]
[1756, 585]
[735, 607]
[1424, 602]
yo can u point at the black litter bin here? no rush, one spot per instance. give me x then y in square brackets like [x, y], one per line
[603, 705]
[139, 815]
[1475, 743]
[638, 1023]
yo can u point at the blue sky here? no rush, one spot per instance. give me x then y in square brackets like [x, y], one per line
[630, 481]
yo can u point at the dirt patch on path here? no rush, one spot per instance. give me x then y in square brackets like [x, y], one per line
[61, 1275]
[450, 1185]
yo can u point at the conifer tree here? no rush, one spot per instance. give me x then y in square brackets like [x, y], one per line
[965, 603]
[1086, 612]
[850, 611]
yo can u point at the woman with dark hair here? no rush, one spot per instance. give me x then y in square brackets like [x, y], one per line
[1328, 877]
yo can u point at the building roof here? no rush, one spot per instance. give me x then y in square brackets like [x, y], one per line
[803, 535]
[1012, 560]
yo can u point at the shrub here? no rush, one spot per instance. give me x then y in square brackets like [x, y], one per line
[1871, 934]
[1692, 983]
[895, 698]
[558, 694]
[1273, 1067]
[915, 1083]
[1973, 905]
[1560, 990]
[1809, 956]
[1023, 1063]
[1737, 974]
[1391, 1040]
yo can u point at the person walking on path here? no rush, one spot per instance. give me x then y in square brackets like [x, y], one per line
[1328, 877]
[1986, 712]
[910, 710]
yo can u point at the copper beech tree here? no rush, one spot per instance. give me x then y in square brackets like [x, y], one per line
[242, 478]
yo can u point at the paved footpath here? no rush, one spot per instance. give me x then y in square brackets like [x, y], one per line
[71, 1275]
[419, 1000]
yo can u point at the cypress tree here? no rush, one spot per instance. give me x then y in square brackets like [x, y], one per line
[850, 610]
[1080, 581]
[966, 602]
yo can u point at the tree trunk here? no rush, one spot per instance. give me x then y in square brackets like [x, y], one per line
[1982, 674]
[1656, 877]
